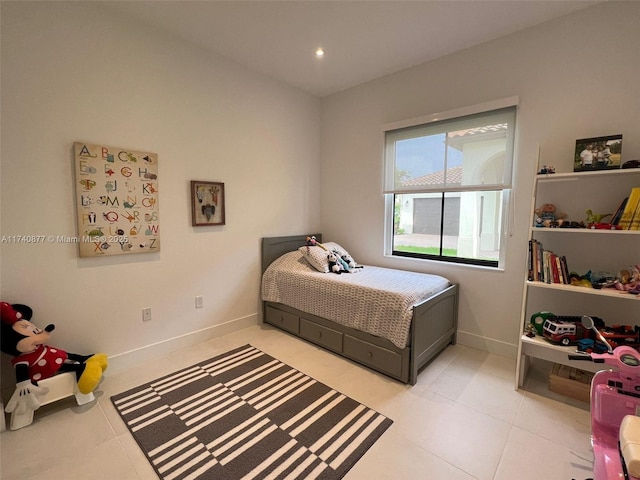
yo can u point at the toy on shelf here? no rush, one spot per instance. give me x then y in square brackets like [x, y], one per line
[566, 330]
[594, 221]
[570, 330]
[589, 345]
[578, 280]
[628, 280]
[618, 335]
[631, 164]
[545, 170]
[35, 362]
[547, 216]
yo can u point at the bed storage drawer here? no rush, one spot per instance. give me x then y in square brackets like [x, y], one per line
[323, 336]
[284, 320]
[372, 355]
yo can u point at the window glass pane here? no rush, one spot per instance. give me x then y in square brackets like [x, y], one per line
[466, 226]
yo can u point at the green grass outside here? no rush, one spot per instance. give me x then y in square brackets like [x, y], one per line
[446, 252]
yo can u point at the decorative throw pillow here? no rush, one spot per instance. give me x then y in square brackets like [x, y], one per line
[317, 256]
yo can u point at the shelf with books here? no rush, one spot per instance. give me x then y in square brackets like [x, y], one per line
[586, 252]
[602, 192]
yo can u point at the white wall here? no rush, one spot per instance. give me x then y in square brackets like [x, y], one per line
[73, 72]
[576, 77]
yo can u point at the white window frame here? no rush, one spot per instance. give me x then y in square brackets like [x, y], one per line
[507, 196]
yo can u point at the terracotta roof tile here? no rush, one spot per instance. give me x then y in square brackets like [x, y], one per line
[454, 176]
[500, 127]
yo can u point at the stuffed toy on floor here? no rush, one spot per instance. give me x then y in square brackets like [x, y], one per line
[34, 360]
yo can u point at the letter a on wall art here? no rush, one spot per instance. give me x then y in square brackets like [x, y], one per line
[117, 200]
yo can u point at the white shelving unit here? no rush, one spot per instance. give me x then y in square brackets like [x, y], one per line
[585, 250]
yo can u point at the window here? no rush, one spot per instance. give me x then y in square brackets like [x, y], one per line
[447, 184]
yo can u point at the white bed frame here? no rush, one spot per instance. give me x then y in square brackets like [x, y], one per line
[433, 326]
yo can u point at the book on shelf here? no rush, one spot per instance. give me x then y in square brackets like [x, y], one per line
[635, 221]
[630, 208]
[616, 216]
[545, 265]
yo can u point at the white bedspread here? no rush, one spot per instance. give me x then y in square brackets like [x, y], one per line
[376, 300]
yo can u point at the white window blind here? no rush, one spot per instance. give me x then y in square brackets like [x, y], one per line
[468, 153]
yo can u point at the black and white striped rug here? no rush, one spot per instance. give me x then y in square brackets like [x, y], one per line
[246, 415]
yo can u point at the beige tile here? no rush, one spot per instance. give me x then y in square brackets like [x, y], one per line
[62, 432]
[107, 461]
[555, 421]
[528, 456]
[469, 357]
[436, 366]
[462, 436]
[394, 457]
[499, 366]
[482, 391]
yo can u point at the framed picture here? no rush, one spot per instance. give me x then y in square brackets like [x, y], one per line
[207, 203]
[599, 153]
[116, 200]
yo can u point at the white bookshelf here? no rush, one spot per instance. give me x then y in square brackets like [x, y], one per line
[585, 249]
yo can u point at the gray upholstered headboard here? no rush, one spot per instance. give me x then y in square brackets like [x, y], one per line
[274, 247]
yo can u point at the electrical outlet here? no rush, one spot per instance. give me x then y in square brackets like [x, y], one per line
[146, 314]
[199, 301]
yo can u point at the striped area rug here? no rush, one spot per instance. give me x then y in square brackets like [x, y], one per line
[246, 415]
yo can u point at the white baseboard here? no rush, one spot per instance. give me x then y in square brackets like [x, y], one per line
[487, 344]
[121, 361]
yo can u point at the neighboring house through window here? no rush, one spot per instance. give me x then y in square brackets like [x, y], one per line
[448, 181]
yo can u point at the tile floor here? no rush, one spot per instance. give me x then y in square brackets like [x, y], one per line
[462, 421]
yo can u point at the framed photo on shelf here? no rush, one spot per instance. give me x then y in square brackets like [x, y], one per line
[598, 153]
[207, 203]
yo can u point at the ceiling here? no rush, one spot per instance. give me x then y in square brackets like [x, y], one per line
[363, 39]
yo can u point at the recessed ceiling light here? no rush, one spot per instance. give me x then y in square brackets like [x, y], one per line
[320, 52]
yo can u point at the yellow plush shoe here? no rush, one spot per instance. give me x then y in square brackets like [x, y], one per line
[101, 359]
[90, 377]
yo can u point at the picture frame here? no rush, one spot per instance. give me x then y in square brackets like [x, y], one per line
[117, 201]
[598, 153]
[207, 203]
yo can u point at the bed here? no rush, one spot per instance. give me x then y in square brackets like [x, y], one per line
[389, 320]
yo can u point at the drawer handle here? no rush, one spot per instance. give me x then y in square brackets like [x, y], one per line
[281, 319]
[319, 334]
[370, 354]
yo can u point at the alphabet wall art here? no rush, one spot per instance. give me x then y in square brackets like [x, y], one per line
[117, 200]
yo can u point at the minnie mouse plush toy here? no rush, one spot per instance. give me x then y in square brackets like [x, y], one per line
[34, 360]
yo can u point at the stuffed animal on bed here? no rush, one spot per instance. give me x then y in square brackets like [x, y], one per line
[34, 360]
[334, 263]
[313, 242]
[351, 263]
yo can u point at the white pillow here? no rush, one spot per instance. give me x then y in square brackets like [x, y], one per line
[317, 256]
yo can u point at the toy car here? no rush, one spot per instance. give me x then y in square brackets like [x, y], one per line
[567, 330]
[618, 335]
[590, 346]
[604, 226]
